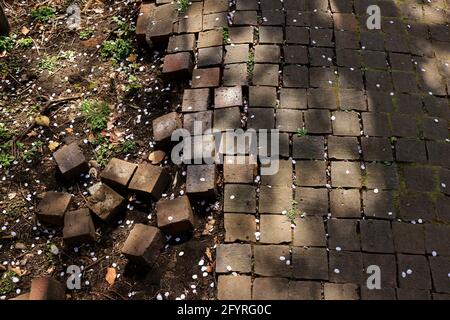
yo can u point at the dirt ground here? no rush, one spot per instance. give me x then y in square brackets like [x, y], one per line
[69, 67]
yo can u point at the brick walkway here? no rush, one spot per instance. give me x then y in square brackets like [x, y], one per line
[364, 149]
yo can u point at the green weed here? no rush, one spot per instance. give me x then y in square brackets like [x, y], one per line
[25, 43]
[96, 113]
[86, 33]
[6, 44]
[117, 50]
[43, 14]
[301, 132]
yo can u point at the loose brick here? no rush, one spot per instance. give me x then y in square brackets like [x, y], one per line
[71, 161]
[164, 126]
[78, 227]
[175, 216]
[118, 173]
[181, 43]
[149, 181]
[143, 245]
[46, 288]
[178, 65]
[52, 207]
[106, 203]
[208, 57]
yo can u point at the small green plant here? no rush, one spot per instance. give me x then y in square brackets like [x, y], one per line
[43, 14]
[127, 146]
[6, 44]
[48, 63]
[392, 140]
[226, 35]
[25, 43]
[250, 65]
[117, 50]
[6, 282]
[133, 84]
[67, 55]
[6, 159]
[293, 212]
[96, 113]
[5, 133]
[182, 5]
[86, 33]
[31, 153]
[301, 132]
[124, 29]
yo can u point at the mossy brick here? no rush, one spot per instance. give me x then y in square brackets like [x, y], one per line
[239, 227]
[228, 97]
[346, 267]
[175, 216]
[106, 203]
[181, 43]
[346, 174]
[270, 289]
[211, 56]
[52, 207]
[230, 287]
[310, 263]
[239, 198]
[275, 200]
[312, 201]
[308, 147]
[195, 100]
[309, 231]
[178, 65]
[227, 118]
[345, 203]
[274, 229]
[289, 120]
[291, 98]
[78, 227]
[239, 169]
[71, 161]
[417, 205]
[164, 126]
[201, 180]
[262, 96]
[343, 233]
[438, 153]
[310, 173]
[206, 77]
[233, 257]
[118, 173]
[149, 181]
[143, 245]
[270, 260]
[419, 178]
[46, 288]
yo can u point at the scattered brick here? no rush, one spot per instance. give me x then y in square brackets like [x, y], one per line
[149, 181]
[175, 216]
[78, 227]
[106, 203]
[143, 245]
[52, 207]
[71, 161]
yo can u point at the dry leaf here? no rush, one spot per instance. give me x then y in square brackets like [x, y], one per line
[32, 134]
[25, 31]
[208, 253]
[18, 271]
[42, 121]
[132, 58]
[111, 276]
[53, 145]
[69, 130]
[12, 195]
